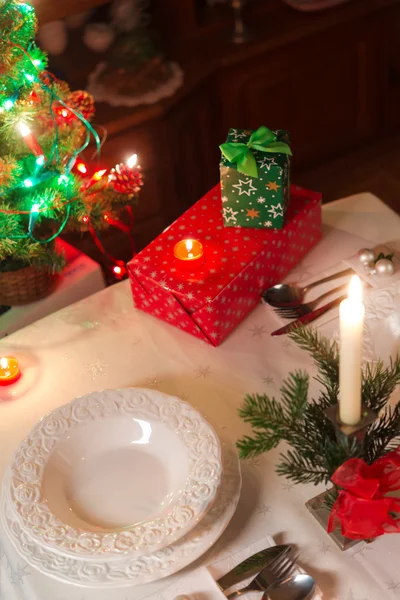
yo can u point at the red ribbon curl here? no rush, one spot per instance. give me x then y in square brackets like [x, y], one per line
[362, 509]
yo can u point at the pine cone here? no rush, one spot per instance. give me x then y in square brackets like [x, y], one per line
[82, 102]
[126, 180]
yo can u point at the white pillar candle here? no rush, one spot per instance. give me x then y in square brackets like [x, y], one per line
[352, 313]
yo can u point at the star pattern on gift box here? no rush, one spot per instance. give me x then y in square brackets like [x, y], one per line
[272, 185]
[237, 134]
[267, 162]
[253, 214]
[210, 299]
[276, 211]
[229, 214]
[242, 189]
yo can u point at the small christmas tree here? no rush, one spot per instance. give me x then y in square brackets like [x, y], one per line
[45, 185]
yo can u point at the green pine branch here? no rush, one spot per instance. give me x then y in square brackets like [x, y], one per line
[316, 449]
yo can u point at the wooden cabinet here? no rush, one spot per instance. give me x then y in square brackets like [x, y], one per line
[331, 78]
[193, 139]
[390, 69]
[324, 92]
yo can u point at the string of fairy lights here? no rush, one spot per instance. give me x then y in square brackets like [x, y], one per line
[48, 180]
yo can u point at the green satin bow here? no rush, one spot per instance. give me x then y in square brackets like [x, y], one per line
[262, 139]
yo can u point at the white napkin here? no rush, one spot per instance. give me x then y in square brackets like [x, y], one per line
[371, 283]
[374, 280]
[200, 584]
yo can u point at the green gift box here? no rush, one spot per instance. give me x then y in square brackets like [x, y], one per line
[255, 178]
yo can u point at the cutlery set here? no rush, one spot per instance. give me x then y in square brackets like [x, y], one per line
[273, 577]
[287, 301]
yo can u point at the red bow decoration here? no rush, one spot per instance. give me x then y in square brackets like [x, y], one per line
[362, 509]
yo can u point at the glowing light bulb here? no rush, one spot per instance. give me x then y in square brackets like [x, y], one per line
[24, 129]
[117, 270]
[64, 113]
[40, 161]
[37, 62]
[82, 168]
[85, 219]
[99, 174]
[8, 104]
[132, 161]
[28, 183]
[35, 208]
[29, 77]
[63, 179]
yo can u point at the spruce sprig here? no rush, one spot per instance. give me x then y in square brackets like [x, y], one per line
[316, 449]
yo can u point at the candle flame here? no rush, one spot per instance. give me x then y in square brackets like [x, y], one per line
[24, 129]
[132, 160]
[355, 290]
[3, 363]
[189, 245]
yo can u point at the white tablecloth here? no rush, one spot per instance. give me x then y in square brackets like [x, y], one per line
[102, 342]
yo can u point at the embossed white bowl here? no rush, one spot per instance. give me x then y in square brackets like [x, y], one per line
[127, 571]
[115, 473]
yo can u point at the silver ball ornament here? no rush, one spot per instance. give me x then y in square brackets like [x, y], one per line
[366, 256]
[384, 267]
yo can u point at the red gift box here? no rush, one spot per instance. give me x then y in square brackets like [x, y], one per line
[209, 298]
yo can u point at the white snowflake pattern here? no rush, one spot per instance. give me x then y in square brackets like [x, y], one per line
[96, 368]
[229, 214]
[180, 286]
[158, 248]
[225, 198]
[242, 190]
[147, 258]
[202, 372]
[261, 200]
[267, 223]
[17, 575]
[257, 331]
[276, 211]
[190, 296]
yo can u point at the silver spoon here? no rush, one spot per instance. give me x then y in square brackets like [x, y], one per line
[288, 295]
[297, 587]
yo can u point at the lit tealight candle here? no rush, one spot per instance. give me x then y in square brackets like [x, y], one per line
[9, 370]
[188, 250]
[352, 313]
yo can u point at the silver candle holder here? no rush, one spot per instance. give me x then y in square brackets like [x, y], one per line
[318, 505]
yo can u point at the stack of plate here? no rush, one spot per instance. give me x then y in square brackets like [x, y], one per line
[119, 488]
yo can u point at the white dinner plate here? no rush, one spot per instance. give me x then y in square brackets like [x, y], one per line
[115, 473]
[126, 572]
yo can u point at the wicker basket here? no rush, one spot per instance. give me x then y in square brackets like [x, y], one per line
[24, 286]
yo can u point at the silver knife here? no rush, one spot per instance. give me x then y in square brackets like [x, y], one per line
[251, 566]
[310, 317]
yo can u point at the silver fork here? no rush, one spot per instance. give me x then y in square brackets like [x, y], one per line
[270, 576]
[294, 312]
